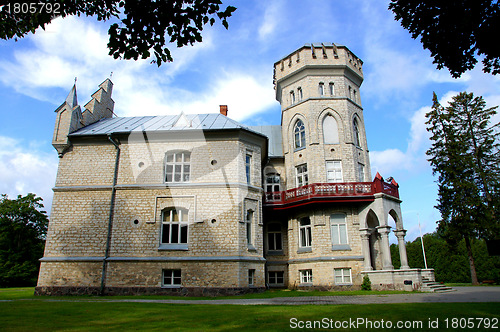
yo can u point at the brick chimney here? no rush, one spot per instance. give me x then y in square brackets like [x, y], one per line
[223, 109]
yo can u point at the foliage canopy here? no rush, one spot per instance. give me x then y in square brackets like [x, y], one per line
[23, 227]
[142, 28]
[455, 32]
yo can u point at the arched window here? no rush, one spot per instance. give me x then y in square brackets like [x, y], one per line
[177, 166]
[321, 89]
[299, 90]
[292, 97]
[330, 130]
[355, 132]
[300, 134]
[331, 88]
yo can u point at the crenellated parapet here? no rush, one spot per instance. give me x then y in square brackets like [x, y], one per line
[70, 117]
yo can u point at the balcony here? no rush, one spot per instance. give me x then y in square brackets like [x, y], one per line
[330, 193]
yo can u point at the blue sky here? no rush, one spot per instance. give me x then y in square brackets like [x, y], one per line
[233, 67]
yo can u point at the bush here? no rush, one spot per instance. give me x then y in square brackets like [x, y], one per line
[367, 284]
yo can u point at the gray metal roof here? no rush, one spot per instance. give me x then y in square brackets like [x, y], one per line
[124, 125]
[273, 133]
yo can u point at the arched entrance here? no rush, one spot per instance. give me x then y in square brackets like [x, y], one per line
[372, 223]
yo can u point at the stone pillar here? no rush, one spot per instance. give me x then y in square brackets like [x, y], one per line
[365, 244]
[402, 248]
[384, 247]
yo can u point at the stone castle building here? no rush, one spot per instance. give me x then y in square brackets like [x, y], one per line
[200, 204]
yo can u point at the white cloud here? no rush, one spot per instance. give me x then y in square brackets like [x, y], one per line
[271, 18]
[26, 170]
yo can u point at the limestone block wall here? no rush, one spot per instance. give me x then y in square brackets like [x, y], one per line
[323, 274]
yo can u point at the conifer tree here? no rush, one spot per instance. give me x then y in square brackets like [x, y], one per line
[465, 155]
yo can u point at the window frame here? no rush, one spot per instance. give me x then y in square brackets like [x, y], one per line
[338, 227]
[249, 217]
[248, 167]
[301, 175]
[361, 172]
[331, 88]
[335, 170]
[321, 89]
[327, 127]
[275, 278]
[355, 132]
[305, 233]
[306, 276]
[299, 135]
[174, 163]
[272, 234]
[342, 276]
[173, 278]
[251, 277]
[182, 226]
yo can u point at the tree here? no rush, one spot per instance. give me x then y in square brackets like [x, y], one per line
[23, 227]
[455, 32]
[465, 154]
[142, 28]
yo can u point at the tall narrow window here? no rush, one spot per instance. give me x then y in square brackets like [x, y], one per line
[361, 172]
[248, 167]
[306, 277]
[177, 166]
[251, 277]
[355, 132]
[331, 87]
[342, 276]
[338, 228]
[249, 223]
[355, 96]
[292, 97]
[272, 186]
[274, 238]
[299, 91]
[321, 89]
[305, 238]
[330, 130]
[301, 175]
[174, 226]
[300, 134]
[334, 171]
[349, 92]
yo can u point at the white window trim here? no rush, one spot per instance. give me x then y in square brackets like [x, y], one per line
[183, 222]
[306, 276]
[175, 163]
[336, 171]
[307, 230]
[343, 276]
[172, 284]
[303, 175]
[301, 134]
[337, 224]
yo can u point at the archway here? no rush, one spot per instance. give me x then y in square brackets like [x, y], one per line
[372, 223]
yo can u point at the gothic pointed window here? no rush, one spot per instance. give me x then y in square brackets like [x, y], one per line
[355, 132]
[330, 130]
[299, 134]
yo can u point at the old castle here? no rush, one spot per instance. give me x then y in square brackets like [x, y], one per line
[200, 204]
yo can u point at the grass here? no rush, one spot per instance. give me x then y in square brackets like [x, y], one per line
[26, 315]
[27, 293]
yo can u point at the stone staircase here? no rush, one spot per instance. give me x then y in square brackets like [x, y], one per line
[436, 287]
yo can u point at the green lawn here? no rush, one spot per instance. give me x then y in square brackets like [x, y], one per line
[27, 315]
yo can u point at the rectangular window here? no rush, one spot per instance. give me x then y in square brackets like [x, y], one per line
[301, 175]
[334, 171]
[251, 277]
[361, 172]
[305, 238]
[338, 228]
[172, 278]
[174, 226]
[178, 166]
[292, 97]
[306, 277]
[276, 278]
[274, 240]
[343, 276]
[249, 223]
[332, 89]
[248, 168]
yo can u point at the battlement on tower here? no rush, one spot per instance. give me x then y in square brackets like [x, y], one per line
[322, 54]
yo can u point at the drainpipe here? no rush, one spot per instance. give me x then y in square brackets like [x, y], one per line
[111, 213]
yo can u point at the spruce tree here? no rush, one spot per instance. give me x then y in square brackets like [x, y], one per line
[465, 155]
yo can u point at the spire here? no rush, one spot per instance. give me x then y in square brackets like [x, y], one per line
[71, 99]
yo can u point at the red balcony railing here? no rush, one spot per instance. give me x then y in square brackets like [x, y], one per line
[319, 191]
